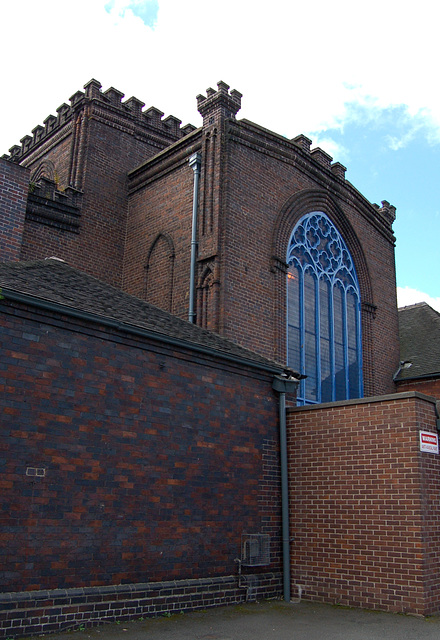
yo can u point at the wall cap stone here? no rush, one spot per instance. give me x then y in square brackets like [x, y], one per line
[404, 395]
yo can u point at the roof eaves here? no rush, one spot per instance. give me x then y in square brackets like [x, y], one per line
[48, 305]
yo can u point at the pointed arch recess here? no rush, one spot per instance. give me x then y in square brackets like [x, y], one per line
[159, 272]
[207, 298]
[46, 169]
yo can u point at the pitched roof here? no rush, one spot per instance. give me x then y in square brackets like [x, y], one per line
[53, 281]
[419, 333]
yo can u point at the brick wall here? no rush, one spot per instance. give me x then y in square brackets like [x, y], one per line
[364, 504]
[254, 187]
[107, 153]
[41, 612]
[158, 241]
[269, 184]
[130, 462]
[14, 186]
[51, 157]
[428, 386]
[91, 146]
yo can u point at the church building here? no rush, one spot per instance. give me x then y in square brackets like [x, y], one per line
[165, 290]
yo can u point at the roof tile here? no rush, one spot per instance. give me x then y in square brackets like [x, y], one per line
[54, 281]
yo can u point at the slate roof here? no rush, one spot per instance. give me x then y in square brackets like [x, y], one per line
[54, 281]
[419, 334]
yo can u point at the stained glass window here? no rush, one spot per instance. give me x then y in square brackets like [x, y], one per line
[323, 309]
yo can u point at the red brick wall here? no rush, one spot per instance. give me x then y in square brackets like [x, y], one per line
[268, 186]
[56, 153]
[254, 187]
[41, 240]
[158, 243]
[130, 462]
[430, 512]
[91, 146]
[107, 153]
[364, 504]
[430, 387]
[250, 199]
[14, 186]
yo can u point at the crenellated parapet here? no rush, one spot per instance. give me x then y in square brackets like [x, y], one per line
[129, 111]
[320, 156]
[387, 212]
[49, 206]
[220, 102]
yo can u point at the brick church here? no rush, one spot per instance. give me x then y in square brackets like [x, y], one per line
[156, 280]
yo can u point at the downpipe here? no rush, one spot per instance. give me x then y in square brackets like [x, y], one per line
[286, 383]
[195, 162]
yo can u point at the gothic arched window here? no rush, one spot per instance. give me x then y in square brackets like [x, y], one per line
[323, 313]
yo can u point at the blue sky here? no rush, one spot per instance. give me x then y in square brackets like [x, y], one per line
[360, 80]
[146, 10]
[393, 155]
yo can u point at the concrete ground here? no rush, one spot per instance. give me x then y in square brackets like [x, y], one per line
[266, 621]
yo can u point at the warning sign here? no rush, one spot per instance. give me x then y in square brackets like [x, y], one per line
[428, 442]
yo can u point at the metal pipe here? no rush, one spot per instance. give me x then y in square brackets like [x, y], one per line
[284, 499]
[195, 162]
[285, 384]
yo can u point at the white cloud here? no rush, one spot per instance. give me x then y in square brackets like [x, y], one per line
[145, 10]
[407, 296]
[300, 66]
[337, 151]
[399, 142]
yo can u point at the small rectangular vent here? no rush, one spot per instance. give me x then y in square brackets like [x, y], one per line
[40, 472]
[255, 549]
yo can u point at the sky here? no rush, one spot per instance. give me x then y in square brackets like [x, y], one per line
[359, 79]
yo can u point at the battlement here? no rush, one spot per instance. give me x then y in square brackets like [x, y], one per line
[387, 211]
[131, 109]
[320, 156]
[229, 103]
[49, 206]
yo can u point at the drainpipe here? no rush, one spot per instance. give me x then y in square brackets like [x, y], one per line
[285, 384]
[195, 162]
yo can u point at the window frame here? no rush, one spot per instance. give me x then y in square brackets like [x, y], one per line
[317, 247]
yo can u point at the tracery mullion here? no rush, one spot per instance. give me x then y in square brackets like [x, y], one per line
[325, 338]
[345, 342]
[302, 331]
[310, 328]
[318, 339]
[332, 341]
[359, 347]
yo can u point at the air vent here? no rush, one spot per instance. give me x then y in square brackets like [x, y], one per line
[255, 549]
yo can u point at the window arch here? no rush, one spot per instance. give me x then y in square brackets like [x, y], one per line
[323, 312]
[205, 311]
[160, 273]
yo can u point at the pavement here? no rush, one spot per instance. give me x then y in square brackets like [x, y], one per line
[267, 620]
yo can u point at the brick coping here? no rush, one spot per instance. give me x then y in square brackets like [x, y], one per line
[17, 596]
[403, 395]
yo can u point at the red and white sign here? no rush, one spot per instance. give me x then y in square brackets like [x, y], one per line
[428, 442]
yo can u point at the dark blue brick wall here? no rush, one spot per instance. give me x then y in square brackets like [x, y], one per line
[155, 460]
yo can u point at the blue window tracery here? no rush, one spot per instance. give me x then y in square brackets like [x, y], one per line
[323, 303]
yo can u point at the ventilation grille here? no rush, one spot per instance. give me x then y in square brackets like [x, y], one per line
[255, 549]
